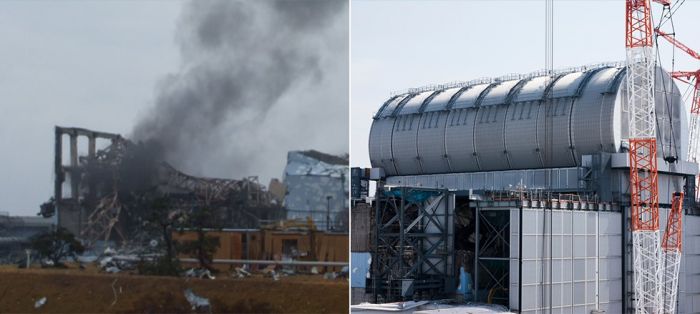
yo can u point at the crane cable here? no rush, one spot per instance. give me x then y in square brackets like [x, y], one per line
[668, 13]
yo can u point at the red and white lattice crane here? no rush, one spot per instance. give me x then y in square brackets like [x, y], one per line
[688, 77]
[644, 197]
[672, 242]
[671, 248]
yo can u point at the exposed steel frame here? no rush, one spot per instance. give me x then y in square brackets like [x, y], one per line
[638, 27]
[644, 199]
[644, 185]
[671, 247]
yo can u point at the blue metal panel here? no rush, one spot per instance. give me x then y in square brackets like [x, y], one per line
[360, 263]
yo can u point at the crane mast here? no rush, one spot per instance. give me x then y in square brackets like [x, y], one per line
[671, 248]
[644, 200]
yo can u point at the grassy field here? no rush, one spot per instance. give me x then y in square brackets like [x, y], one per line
[87, 291]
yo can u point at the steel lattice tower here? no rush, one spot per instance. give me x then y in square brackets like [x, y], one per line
[642, 153]
[671, 247]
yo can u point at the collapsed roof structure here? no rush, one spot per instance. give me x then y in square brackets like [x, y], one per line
[109, 190]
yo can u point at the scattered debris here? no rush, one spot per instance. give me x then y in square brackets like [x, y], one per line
[116, 263]
[330, 275]
[199, 273]
[344, 272]
[39, 303]
[105, 262]
[196, 301]
[46, 263]
[115, 291]
[314, 270]
[267, 270]
[112, 269]
[240, 272]
[110, 251]
[389, 307]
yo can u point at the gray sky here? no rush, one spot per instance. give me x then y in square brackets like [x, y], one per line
[102, 64]
[398, 45]
[80, 63]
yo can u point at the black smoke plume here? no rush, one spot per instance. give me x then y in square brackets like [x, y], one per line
[257, 78]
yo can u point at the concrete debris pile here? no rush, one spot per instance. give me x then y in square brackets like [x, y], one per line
[111, 189]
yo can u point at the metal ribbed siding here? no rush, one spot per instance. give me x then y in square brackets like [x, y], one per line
[404, 144]
[431, 133]
[380, 136]
[405, 139]
[459, 132]
[380, 144]
[490, 126]
[431, 142]
[501, 126]
[591, 124]
[524, 152]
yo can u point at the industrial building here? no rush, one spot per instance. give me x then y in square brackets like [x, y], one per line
[317, 187]
[16, 233]
[521, 185]
[285, 240]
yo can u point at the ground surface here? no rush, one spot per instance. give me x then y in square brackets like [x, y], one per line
[86, 291]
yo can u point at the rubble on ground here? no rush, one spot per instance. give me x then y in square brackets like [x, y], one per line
[197, 302]
[199, 273]
[39, 303]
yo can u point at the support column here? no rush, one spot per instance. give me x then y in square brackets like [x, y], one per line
[74, 166]
[58, 166]
[91, 157]
[91, 147]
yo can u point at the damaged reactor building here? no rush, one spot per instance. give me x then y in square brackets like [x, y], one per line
[101, 196]
[514, 191]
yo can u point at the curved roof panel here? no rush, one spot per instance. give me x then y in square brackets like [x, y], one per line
[440, 101]
[414, 104]
[391, 106]
[498, 94]
[567, 85]
[533, 89]
[469, 96]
